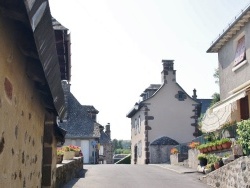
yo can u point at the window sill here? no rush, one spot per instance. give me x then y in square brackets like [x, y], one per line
[239, 65]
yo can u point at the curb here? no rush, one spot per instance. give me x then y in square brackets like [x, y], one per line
[183, 171]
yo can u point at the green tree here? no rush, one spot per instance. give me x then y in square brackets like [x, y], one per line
[115, 144]
[215, 99]
[120, 144]
[216, 75]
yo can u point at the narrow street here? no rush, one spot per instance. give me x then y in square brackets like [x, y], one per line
[135, 176]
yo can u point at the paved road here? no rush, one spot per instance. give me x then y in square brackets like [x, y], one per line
[135, 176]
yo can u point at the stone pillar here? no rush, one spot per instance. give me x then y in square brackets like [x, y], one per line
[49, 152]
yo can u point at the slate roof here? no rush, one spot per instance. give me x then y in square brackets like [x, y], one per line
[205, 104]
[79, 124]
[104, 138]
[90, 108]
[164, 141]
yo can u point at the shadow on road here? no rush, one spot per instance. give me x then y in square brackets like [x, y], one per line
[72, 182]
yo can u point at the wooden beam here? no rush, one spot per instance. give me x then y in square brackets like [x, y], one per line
[14, 15]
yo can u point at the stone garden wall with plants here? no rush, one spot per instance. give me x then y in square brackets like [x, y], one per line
[234, 174]
[68, 170]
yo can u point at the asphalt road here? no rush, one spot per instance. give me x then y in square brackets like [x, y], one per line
[134, 176]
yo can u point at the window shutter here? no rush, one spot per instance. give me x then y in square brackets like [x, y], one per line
[240, 51]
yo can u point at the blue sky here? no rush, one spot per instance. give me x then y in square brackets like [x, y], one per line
[118, 45]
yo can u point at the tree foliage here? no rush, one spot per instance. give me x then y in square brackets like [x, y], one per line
[121, 146]
[215, 99]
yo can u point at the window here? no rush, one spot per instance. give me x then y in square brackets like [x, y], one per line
[240, 54]
[135, 126]
[139, 124]
[181, 96]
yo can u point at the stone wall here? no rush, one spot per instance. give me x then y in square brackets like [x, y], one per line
[177, 158]
[234, 174]
[160, 154]
[192, 158]
[22, 116]
[68, 170]
[108, 153]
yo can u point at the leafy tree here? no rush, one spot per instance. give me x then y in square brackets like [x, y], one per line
[115, 144]
[216, 75]
[121, 146]
[215, 99]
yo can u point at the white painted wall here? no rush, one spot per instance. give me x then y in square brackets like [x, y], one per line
[85, 151]
[171, 118]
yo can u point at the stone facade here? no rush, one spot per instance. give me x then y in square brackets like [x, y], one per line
[165, 110]
[22, 117]
[28, 109]
[234, 174]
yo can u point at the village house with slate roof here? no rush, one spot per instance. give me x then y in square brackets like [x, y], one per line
[82, 128]
[166, 116]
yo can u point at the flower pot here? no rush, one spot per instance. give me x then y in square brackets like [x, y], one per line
[203, 161]
[77, 153]
[205, 150]
[209, 148]
[68, 155]
[219, 147]
[216, 165]
[214, 148]
[226, 145]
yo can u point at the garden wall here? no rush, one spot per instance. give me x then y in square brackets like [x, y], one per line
[68, 170]
[192, 158]
[234, 174]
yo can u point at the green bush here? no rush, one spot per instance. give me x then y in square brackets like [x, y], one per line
[243, 131]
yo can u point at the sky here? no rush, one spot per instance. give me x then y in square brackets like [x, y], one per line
[117, 48]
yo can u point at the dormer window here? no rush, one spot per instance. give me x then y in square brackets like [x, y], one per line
[240, 54]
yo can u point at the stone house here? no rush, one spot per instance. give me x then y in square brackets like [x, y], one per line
[105, 150]
[80, 124]
[83, 130]
[31, 95]
[233, 48]
[167, 115]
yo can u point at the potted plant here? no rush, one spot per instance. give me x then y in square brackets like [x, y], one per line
[213, 159]
[209, 146]
[68, 153]
[60, 154]
[213, 145]
[193, 144]
[226, 143]
[174, 151]
[203, 159]
[202, 148]
[76, 149]
[218, 145]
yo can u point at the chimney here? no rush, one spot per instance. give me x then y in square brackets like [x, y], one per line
[194, 94]
[107, 130]
[101, 128]
[168, 73]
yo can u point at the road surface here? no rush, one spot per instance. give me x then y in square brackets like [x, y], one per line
[134, 176]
